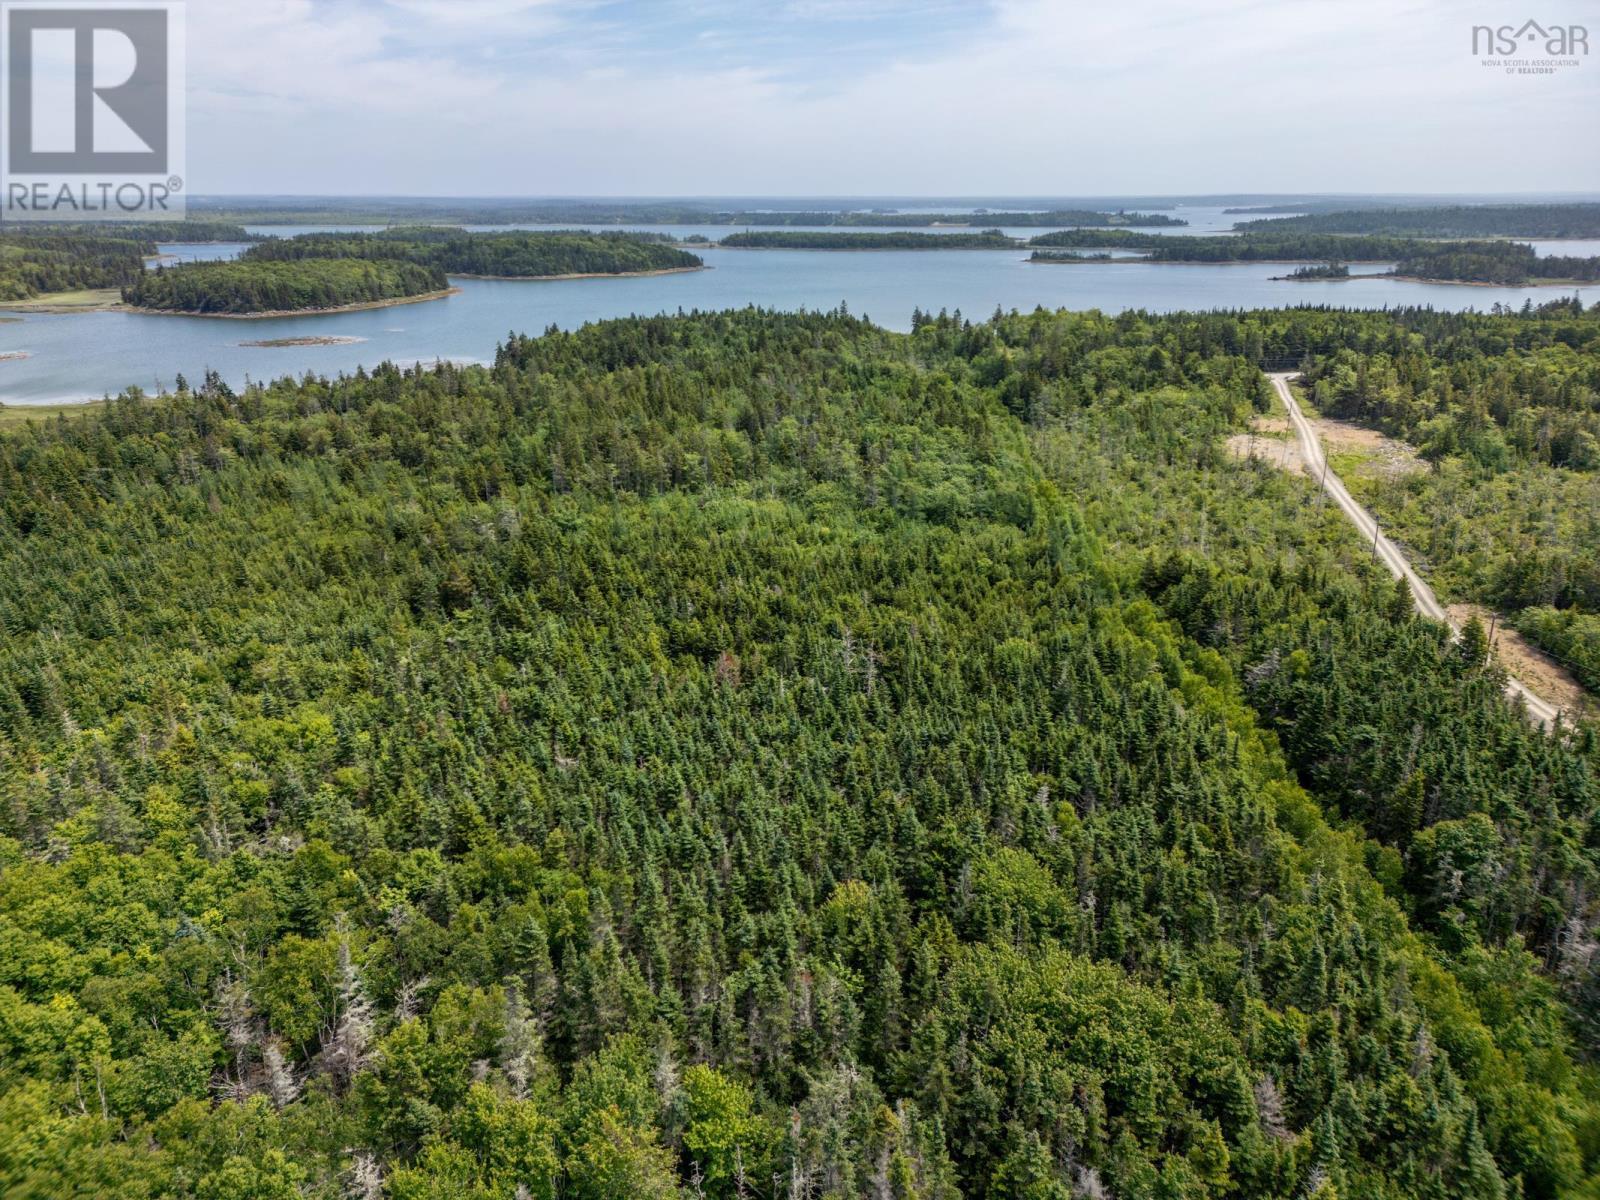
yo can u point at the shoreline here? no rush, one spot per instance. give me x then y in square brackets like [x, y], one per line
[61, 304]
[1101, 262]
[1561, 283]
[578, 275]
[279, 314]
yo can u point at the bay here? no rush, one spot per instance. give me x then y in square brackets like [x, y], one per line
[90, 355]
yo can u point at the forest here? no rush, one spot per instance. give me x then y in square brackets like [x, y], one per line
[984, 216]
[1320, 271]
[1496, 262]
[1460, 220]
[187, 232]
[38, 259]
[306, 285]
[988, 239]
[492, 255]
[1071, 256]
[1573, 637]
[1493, 262]
[761, 755]
[320, 271]
[1505, 410]
[36, 263]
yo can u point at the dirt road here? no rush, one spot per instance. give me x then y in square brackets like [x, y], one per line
[1428, 605]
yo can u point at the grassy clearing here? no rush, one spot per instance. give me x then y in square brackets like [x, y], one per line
[90, 300]
[21, 414]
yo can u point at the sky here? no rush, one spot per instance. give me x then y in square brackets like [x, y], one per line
[879, 97]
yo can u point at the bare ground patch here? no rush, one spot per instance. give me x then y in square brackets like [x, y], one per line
[1271, 440]
[1378, 455]
[1543, 675]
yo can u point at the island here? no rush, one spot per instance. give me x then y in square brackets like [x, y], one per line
[1325, 271]
[268, 289]
[1079, 256]
[337, 272]
[513, 255]
[290, 343]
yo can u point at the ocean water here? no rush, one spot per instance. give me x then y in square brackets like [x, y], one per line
[89, 355]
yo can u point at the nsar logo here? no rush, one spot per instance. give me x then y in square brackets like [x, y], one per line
[1531, 48]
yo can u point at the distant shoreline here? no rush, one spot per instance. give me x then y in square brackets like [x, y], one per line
[1249, 262]
[1016, 245]
[1194, 262]
[578, 275]
[1562, 283]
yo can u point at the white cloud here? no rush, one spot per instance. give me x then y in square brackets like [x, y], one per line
[497, 97]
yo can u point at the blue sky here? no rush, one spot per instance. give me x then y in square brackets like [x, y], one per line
[796, 97]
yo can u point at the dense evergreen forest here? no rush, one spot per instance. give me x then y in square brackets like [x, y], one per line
[311, 284]
[1071, 256]
[34, 263]
[332, 270]
[195, 232]
[1461, 220]
[39, 259]
[497, 255]
[1053, 217]
[761, 755]
[988, 239]
[1493, 262]
[1320, 271]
